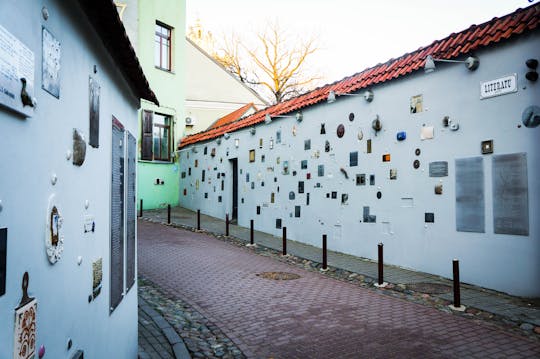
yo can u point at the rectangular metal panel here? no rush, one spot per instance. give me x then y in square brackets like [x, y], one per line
[470, 207]
[510, 194]
[3, 260]
[438, 169]
[131, 211]
[94, 89]
[117, 216]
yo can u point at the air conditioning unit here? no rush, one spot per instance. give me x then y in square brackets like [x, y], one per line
[190, 120]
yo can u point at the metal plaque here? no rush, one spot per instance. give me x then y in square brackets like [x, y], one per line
[497, 87]
[340, 130]
[320, 170]
[307, 145]
[353, 159]
[300, 186]
[50, 68]
[438, 169]
[3, 260]
[297, 211]
[131, 210]
[291, 195]
[278, 223]
[369, 218]
[510, 194]
[94, 90]
[117, 216]
[79, 148]
[303, 164]
[97, 277]
[470, 216]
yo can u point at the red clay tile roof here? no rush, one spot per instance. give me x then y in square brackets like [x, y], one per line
[233, 116]
[462, 43]
[105, 20]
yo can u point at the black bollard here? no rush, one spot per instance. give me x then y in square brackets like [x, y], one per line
[198, 219]
[227, 224]
[457, 296]
[324, 253]
[140, 209]
[284, 241]
[380, 280]
[168, 214]
[251, 240]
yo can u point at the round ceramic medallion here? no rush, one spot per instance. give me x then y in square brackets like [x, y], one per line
[351, 117]
[416, 164]
[340, 131]
[417, 152]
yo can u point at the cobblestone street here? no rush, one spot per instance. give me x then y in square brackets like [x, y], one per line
[313, 316]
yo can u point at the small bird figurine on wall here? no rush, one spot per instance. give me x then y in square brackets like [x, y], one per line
[25, 97]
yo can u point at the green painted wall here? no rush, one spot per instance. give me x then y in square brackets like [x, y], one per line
[170, 91]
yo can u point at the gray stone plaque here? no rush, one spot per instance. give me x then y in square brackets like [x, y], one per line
[470, 211]
[438, 169]
[510, 194]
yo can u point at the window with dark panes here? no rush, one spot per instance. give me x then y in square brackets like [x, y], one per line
[156, 137]
[162, 50]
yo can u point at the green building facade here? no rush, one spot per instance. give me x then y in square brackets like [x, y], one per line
[157, 32]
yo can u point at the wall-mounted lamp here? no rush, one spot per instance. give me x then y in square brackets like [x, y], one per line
[471, 63]
[299, 117]
[252, 130]
[226, 135]
[218, 141]
[194, 149]
[532, 75]
[237, 142]
[368, 95]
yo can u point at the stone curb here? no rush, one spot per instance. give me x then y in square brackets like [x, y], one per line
[176, 343]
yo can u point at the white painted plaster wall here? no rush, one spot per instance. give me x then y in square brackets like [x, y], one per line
[212, 92]
[508, 263]
[31, 150]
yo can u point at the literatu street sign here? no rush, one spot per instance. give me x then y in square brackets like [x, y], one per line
[497, 87]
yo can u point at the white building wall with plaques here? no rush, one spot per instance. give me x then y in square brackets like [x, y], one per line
[56, 196]
[449, 175]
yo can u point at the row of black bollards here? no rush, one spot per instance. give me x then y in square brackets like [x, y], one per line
[380, 262]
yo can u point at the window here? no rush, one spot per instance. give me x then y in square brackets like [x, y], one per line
[162, 50]
[156, 137]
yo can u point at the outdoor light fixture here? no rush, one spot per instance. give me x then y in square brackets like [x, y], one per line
[299, 117]
[237, 142]
[471, 63]
[226, 135]
[368, 95]
[252, 130]
[218, 141]
[532, 75]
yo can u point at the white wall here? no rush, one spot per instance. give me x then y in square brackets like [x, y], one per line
[212, 92]
[509, 263]
[31, 150]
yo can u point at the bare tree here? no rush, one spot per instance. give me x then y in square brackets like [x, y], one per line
[272, 62]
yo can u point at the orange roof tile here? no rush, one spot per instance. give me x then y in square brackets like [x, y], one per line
[456, 44]
[233, 116]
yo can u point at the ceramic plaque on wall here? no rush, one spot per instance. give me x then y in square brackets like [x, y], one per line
[97, 276]
[24, 346]
[54, 238]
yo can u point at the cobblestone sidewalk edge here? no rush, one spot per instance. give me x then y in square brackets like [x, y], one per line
[177, 344]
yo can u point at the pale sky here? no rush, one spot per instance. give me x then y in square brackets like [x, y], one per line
[353, 34]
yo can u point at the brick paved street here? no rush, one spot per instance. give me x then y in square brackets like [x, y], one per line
[311, 317]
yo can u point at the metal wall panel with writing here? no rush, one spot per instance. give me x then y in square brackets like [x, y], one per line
[510, 194]
[117, 215]
[470, 207]
[130, 211]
